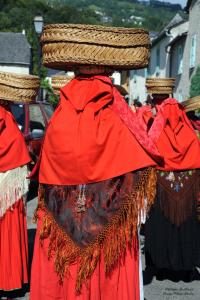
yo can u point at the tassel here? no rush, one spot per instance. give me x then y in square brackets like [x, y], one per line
[112, 241]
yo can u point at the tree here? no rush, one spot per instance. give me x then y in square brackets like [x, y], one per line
[51, 97]
[195, 83]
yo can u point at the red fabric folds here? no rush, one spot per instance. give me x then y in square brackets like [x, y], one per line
[135, 124]
[123, 283]
[196, 124]
[88, 139]
[13, 150]
[13, 248]
[175, 138]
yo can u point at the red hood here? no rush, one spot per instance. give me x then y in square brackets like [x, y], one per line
[87, 140]
[175, 138]
[90, 89]
[13, 150]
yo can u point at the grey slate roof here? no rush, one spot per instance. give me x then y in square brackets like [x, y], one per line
[14, 48]
[176, 20]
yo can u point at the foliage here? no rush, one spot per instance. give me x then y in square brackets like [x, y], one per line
[195, 83]
[124, 12]
[51, 97]
[16, 15]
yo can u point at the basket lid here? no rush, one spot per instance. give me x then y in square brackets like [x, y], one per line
[160, 85]
[59, 81]
[67, 45]
[192, 103]
[18, 87]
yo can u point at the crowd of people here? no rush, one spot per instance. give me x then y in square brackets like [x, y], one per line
[104, 169]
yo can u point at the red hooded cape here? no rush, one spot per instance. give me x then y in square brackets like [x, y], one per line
[13, 150]
[175, 138]
[87, 141]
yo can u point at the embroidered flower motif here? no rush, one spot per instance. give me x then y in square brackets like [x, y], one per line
[171, 176]
[176, 182]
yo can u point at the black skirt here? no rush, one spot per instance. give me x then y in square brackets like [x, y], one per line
[169, 245]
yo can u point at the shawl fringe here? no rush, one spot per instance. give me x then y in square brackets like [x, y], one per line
[14, 186]
[112, 241]
[179, 209]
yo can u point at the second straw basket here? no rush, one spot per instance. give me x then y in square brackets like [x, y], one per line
[59, 81]
[67, 45]
[192, 104]
[18, 88]
[160, 85]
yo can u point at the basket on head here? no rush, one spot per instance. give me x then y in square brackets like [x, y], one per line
[160, 85]
[59, 81]
[18, 88]
[192, 104]
[66, 45]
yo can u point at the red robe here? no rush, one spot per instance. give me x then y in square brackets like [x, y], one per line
[13, 150]
[13, 231]
[87, 134]
[175, 138]
[92, 136]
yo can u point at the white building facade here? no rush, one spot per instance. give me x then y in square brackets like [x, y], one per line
[15, 53]
[160, 59]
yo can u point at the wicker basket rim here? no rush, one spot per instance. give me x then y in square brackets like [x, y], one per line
[19, 81]
[95, 27]
[18, 76]
[15, 100]
[61, 77]
[191, 101]
[17, 95]
[67, 60]
[160, 80]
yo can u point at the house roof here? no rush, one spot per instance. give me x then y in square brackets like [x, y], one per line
[175, 21]
[177, 38]
[15, 48]
[153, 34]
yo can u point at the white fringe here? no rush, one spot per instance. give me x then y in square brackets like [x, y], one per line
[13, 186]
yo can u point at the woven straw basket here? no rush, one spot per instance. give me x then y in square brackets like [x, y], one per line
[160, 85]
[67, 45]
[192, 104]
[58, 82]
[18, 88]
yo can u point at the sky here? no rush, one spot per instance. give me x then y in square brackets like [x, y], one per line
[181, 2]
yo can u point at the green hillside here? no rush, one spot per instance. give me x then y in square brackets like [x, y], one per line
[122, 12]
[16, 15]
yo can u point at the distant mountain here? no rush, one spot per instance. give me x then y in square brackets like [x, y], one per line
[17, 15]
[151, 14]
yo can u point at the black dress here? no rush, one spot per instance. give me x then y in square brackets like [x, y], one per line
[172, 230]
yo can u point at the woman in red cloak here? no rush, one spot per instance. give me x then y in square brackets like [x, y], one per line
[95, 171]
[191, 107]
[172, 229]
[13, 185]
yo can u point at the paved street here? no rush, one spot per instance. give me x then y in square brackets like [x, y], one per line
[169, 290]
[153, 289]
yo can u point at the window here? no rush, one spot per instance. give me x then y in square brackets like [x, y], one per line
[180, 59]
[146, 72]
[180, 97]
[193, 51]
[48, 110]
[157, 61]
[18, 112]
[135, 76]
[36, 117]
